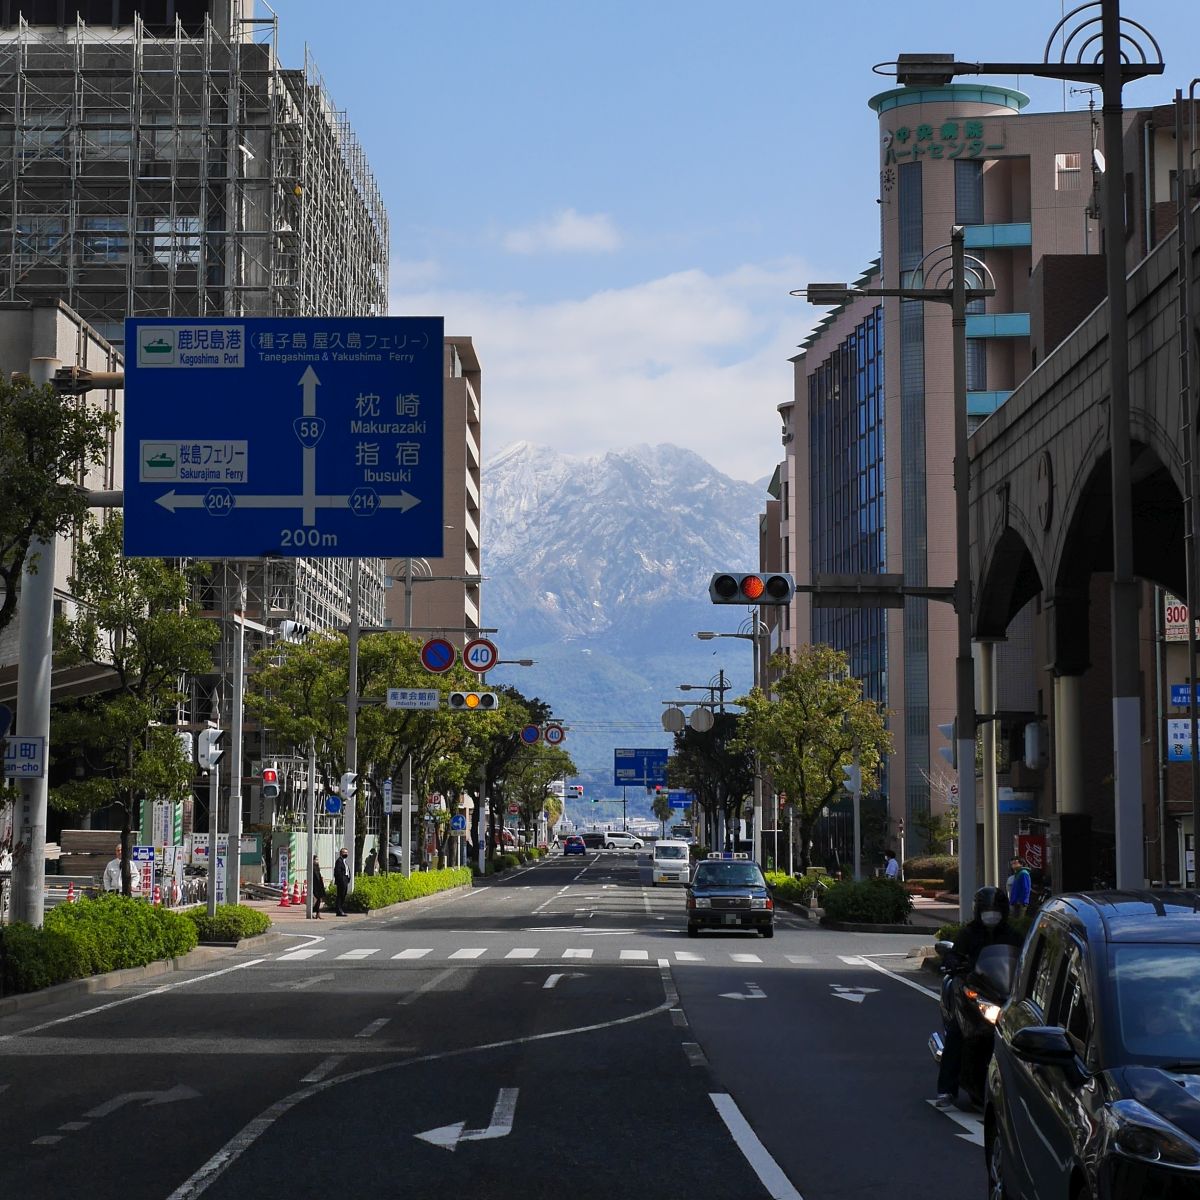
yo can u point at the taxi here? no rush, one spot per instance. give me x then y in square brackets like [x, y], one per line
[728, 891]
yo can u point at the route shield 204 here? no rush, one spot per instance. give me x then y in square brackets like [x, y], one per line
[291, 436]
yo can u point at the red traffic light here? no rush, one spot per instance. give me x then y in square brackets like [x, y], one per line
[751, 588]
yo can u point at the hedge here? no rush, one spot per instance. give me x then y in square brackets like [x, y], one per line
[1020, 924]
[794, 890]
[378, 891]
[871, 902]
[91, 937]
[231, 923]
[934, 866]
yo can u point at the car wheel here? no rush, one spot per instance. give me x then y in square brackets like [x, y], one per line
[995, 1170]
[608, 845]
[693, 931]
[767, 931]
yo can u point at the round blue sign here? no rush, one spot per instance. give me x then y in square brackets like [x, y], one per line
[333, 805]
[530, 734]
[458, 821]
[437, 655]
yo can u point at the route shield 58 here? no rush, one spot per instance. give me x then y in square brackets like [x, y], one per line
[293, 436]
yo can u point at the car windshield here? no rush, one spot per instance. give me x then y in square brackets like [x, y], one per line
[671, 852]
[1158, 1000]
[728, 874]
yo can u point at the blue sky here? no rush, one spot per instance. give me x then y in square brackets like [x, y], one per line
[614, 198]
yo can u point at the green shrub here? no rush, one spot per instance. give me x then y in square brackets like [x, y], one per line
[942, 867]
[378, 891]
[950, 932]
[506, 861]
[90, 937]
[871, 902]
[796, 890]
[231, 923]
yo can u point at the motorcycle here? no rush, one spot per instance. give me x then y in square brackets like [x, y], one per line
[971, 998]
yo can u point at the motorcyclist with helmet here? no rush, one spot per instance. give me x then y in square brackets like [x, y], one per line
[988, 927]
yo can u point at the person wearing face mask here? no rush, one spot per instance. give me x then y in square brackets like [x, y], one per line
[988, 927]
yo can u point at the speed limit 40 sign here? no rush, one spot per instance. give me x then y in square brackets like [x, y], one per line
[480, 655]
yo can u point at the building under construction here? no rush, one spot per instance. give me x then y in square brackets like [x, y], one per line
[157, 160]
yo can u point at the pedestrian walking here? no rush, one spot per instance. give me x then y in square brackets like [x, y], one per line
[318, 888]
[1020, 885]
[891, 867]
[341, 881]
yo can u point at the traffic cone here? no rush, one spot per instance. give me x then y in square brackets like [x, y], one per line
[295, 891]
[304, 893]
[71, 892]
[284, 902]
[157, 895]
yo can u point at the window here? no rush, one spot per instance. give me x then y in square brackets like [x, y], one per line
[1068, 172]
[1075, 1008]
[968, 191]
[105, 240]
[1043, 971]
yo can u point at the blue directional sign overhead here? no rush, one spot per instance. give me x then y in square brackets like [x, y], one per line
[639, 767]
[309, 437]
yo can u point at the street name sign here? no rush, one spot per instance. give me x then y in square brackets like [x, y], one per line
[414, 698]
[25, 758]
[642, 767]
[311, 437]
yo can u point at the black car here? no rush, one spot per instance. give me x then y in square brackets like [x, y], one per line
[729, 892]
[1094, 1087]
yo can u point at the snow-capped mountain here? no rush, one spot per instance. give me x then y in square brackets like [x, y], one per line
[598, 568]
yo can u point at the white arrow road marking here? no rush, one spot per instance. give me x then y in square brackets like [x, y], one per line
[857, 994]
[309, 382]
[552, 980]
[753, 992]
[179, 1092]
[968, 1121]
[500, 1126]
[173, 500]
[298, 985]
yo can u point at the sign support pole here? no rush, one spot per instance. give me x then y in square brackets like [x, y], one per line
[233, 850]
[311, 825]
[406, 819]
[350, 806]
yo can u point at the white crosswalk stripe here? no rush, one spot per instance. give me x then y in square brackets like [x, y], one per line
[634, 955]
[413, 952]
[523, 952]
[746, 958]
[801, 960]
[357, 954]
[469, 952]
[298, 955]
[578, 953]
[688, 956]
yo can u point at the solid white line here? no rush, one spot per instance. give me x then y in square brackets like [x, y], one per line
[470, 952]
[372, 1029]
[324, 1068]
[765, 1167]
[900, 978]
[523, 952]
[300, 955]
[158, 991]
[427, 986]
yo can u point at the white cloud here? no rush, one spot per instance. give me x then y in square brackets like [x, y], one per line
[566, 232]
[693, 359]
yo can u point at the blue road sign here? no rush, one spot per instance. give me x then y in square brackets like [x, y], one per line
[1181, 694]
[293, 436]
[458, 821]
[530, 734]
[639, 767]
[437, 655]
[333, 805]
[681, 799]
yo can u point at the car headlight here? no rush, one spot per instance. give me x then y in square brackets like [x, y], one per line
[702, 902]
[759, 902]
[1140, 1133]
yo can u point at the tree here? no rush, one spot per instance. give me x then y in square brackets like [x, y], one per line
[814, 722]
[528, 778]
[48, 443]
[715, 766]
[662, 808]
[135, 617]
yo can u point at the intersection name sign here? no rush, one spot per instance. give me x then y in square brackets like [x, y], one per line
[314, 437]
[643, 767]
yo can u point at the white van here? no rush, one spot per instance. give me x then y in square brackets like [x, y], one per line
[670, 863]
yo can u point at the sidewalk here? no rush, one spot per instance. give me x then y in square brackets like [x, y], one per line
[932, 914]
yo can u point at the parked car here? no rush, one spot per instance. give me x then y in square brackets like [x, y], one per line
[1094, 1087]
[729, 893]
[670, 862]
[574, 845]
[620, 840]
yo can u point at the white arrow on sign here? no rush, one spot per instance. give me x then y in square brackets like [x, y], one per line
[501, 1125]
[179, 1092]
[752, 992]
[173, 500]
[856, 994]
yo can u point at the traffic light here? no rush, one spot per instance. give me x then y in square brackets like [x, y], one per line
[950, 732]
[853, 778]
[211, 749]
[474, 701]
[348, 787]
[270, 783]
[751, 588]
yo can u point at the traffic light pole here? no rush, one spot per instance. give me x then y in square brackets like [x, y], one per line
[311, 822]
[214, 801]
[350, 807]
[233, 851]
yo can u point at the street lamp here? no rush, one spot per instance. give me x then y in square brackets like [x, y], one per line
[950, 286]
[757, 631]
[1121, 57]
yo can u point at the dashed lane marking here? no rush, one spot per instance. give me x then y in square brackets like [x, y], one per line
[413, 952]
[523, 952]
[469, 952]
[355, 955]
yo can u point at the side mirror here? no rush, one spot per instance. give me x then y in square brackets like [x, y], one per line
[1045, 1045]
[942, 948]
